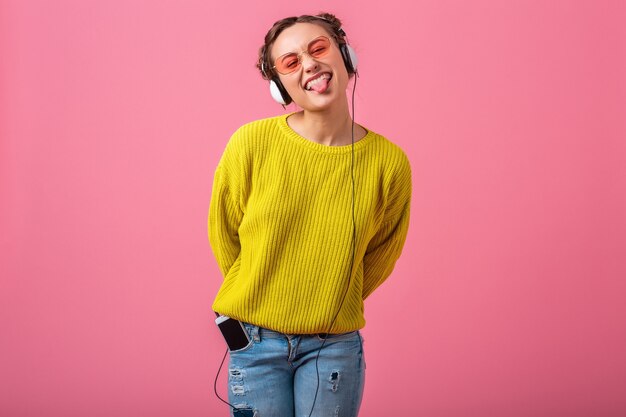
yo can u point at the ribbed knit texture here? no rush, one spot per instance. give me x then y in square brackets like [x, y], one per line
[280, 226]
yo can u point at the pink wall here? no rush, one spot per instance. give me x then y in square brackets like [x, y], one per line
[509, 300]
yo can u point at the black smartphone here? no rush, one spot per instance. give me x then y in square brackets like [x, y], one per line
[234, 333]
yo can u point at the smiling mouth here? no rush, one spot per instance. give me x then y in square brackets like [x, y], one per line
[318, 84]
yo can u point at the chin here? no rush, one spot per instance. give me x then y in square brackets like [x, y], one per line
[322, 102]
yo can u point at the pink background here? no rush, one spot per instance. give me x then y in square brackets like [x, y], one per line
[509, 299]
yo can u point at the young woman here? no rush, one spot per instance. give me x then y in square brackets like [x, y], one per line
[308, 216]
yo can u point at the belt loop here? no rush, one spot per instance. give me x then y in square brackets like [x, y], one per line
[254, 333]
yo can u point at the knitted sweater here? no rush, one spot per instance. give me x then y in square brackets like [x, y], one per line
[281, 229]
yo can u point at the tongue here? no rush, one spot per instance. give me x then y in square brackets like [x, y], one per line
[320, 86]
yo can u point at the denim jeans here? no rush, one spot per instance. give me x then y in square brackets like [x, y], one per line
[275, 375]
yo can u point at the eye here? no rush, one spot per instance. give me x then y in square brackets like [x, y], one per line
[289, 62]
[319, 47]
[318, 50]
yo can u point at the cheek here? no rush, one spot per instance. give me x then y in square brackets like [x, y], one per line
[342, 76]
[340, 68]
[292, 85]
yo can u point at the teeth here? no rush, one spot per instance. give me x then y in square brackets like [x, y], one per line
[316, 81]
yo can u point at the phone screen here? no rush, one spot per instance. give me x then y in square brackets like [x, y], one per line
[234, 333]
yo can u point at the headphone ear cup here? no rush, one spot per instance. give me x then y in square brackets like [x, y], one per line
[349, 58]
[278, 92]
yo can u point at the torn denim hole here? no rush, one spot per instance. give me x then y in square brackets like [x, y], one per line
[334, 380]
[235, 374]
[235, 377]
[243, 410]
[238, 390]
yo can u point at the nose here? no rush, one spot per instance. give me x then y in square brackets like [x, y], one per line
[309, 63]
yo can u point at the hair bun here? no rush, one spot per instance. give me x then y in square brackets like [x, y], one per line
[331, 18]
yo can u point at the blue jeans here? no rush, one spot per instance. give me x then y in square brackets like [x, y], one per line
[275, 375]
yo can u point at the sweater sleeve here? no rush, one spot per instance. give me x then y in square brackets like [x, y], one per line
[225, 213]
[385, 247]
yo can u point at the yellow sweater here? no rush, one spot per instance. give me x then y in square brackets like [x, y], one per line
[280, 226]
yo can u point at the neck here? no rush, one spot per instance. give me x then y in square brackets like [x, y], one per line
[332, 127]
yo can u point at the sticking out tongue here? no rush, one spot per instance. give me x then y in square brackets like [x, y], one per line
[320, 85]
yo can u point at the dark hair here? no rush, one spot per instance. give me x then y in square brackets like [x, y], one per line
[326, 20]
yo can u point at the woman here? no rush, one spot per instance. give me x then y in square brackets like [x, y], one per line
[308, 216]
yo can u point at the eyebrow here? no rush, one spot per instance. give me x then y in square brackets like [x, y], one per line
[305, 49]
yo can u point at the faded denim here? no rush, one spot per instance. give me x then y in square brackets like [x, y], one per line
[275, 375]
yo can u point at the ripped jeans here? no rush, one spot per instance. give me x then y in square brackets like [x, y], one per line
[275, 375]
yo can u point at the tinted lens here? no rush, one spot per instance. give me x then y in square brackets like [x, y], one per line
[288, 63]
[319, 47]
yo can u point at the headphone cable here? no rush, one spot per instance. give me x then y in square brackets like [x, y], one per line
[215, 383]
[317, 371]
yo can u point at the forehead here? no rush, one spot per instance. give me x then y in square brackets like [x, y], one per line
[296, 38]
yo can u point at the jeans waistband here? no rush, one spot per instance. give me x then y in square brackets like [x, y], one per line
[257, 333]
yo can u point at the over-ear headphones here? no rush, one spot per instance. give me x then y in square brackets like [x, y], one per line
[278, 90]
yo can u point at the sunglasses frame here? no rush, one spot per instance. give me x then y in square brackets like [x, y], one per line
[299, 55]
